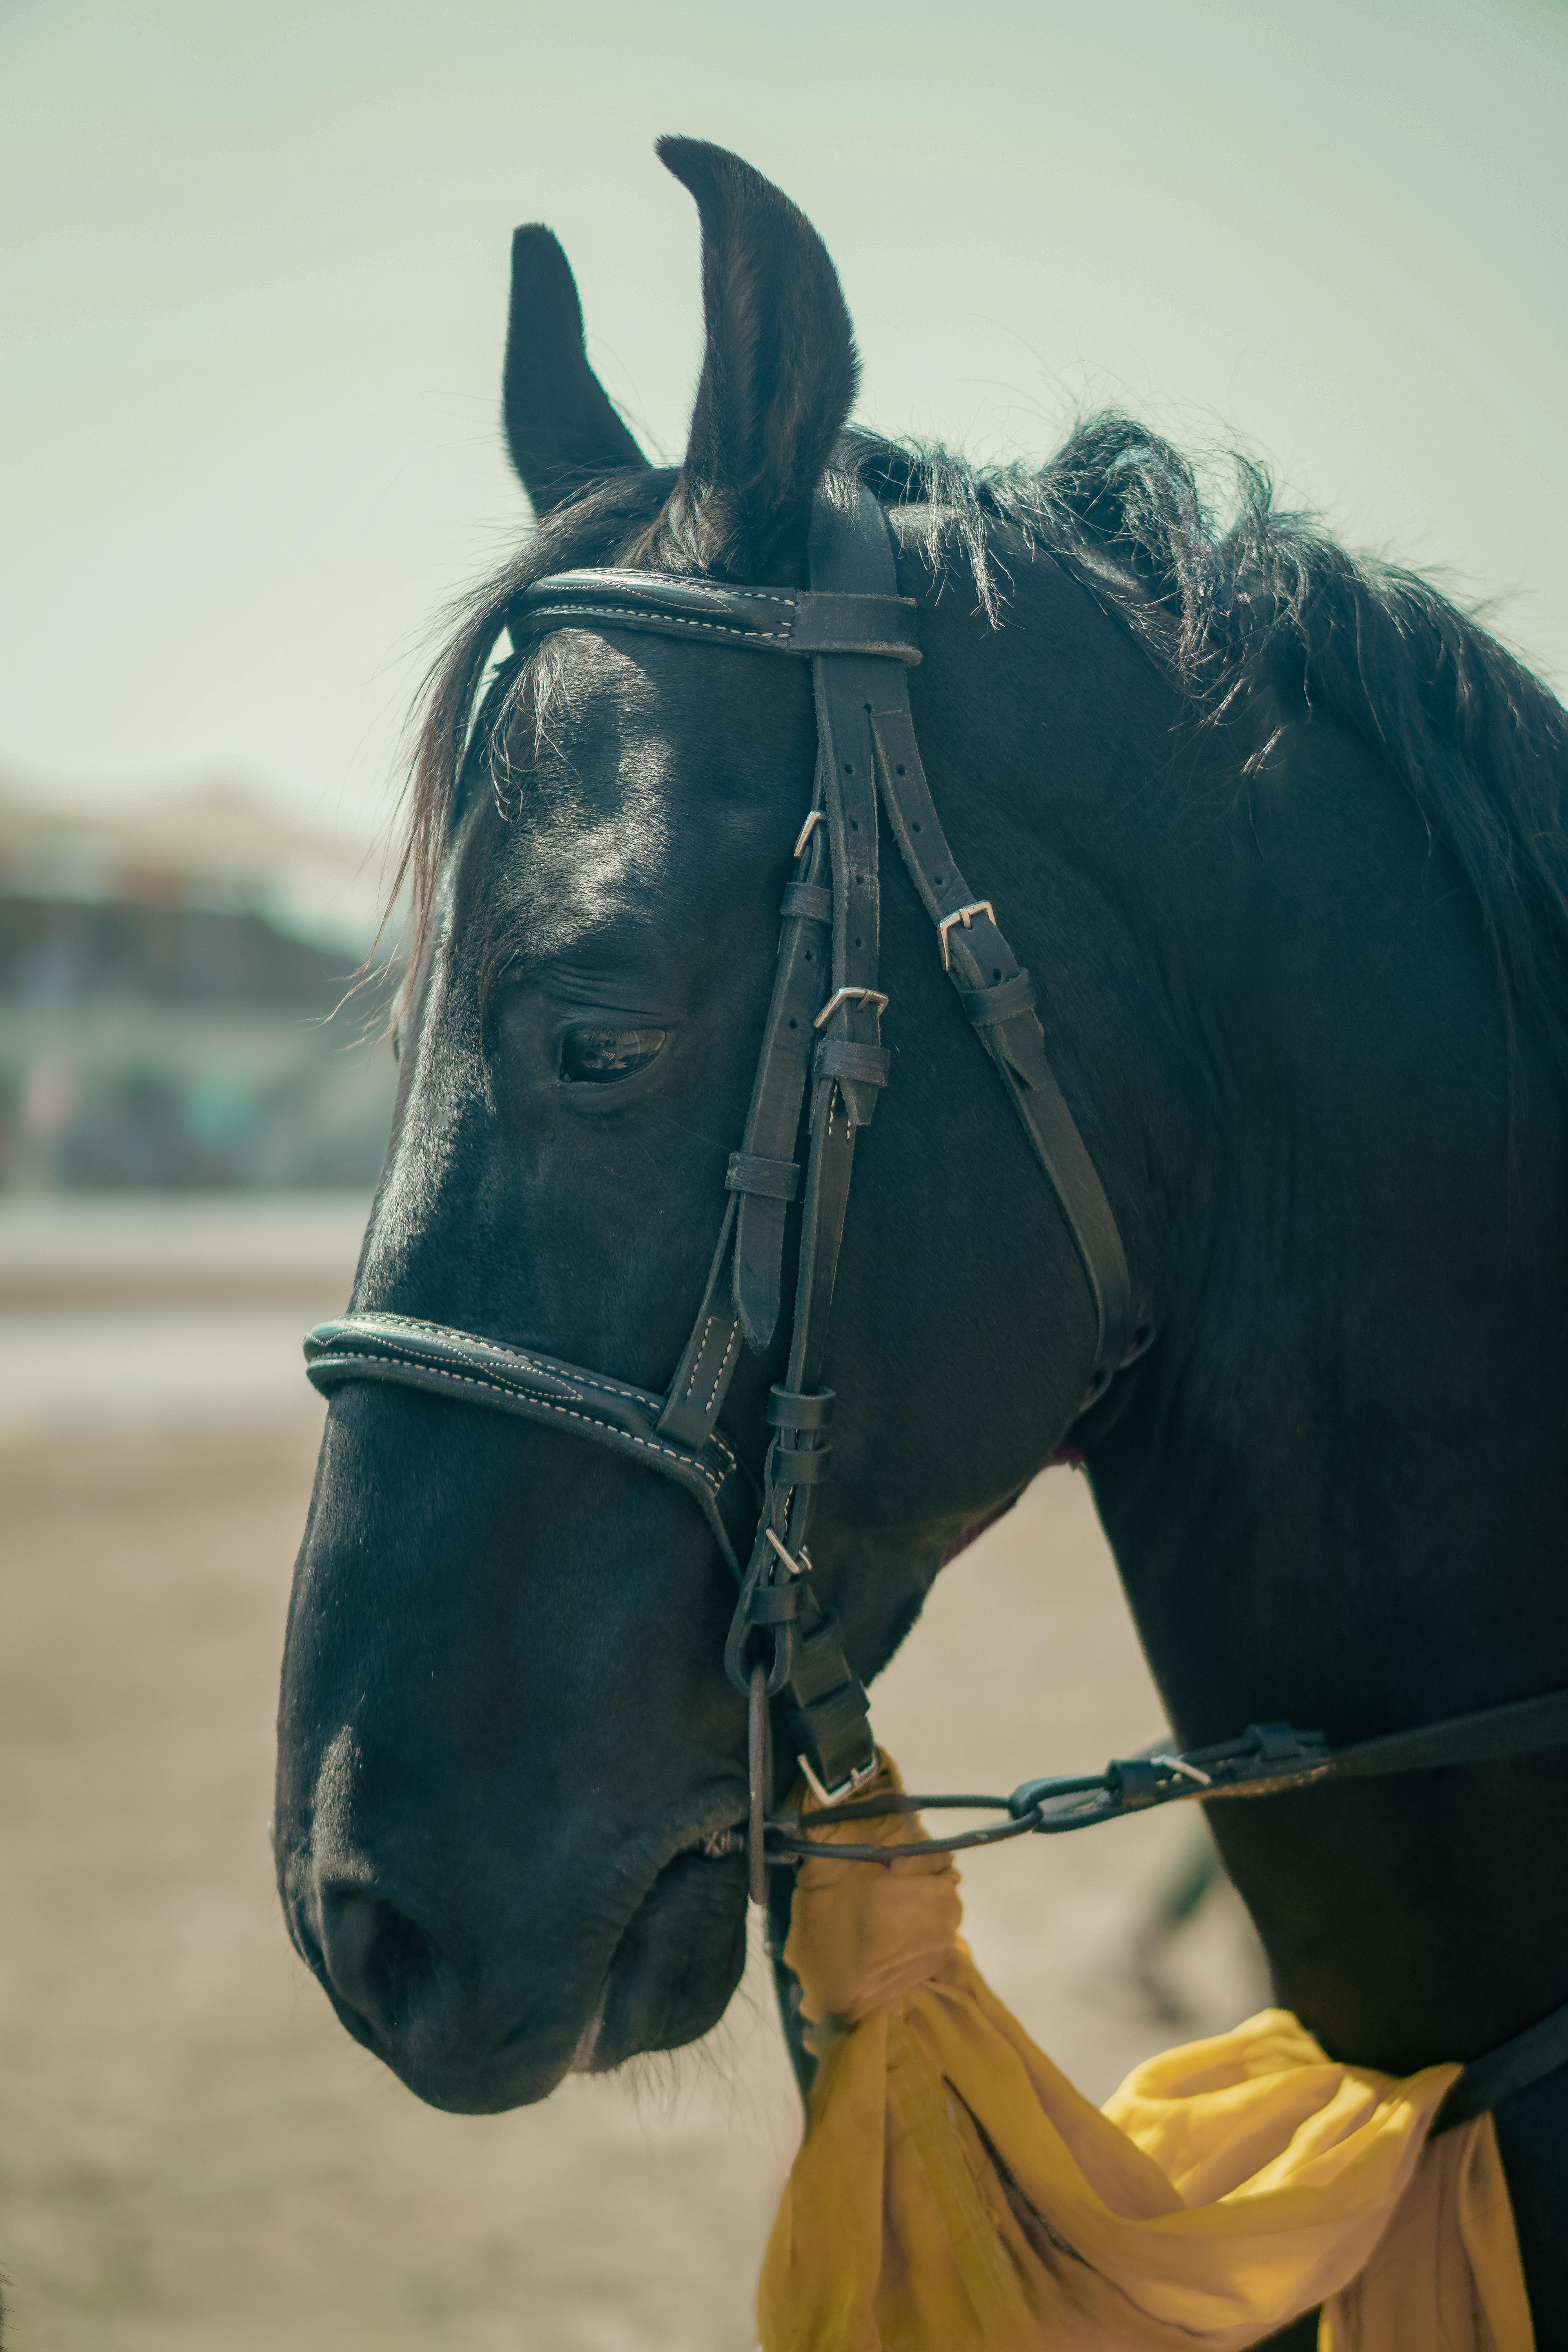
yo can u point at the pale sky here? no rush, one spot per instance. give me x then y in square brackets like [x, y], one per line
[253, 276]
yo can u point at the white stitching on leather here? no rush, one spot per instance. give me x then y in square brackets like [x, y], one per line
[655, 580]
[629, 615]
[540, 1364]
[544, 1404]
[622, 1390]
[734, 1336]
[697, 1360]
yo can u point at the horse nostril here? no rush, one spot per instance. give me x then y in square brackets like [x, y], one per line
[378, 1963]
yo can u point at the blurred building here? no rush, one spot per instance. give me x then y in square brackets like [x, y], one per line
[178, 1006]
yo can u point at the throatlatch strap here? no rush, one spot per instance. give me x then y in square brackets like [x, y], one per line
[998, 998]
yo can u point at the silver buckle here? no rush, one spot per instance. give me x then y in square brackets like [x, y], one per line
[843, 995]
[961, 915]
[795, 1567]
[818, 816]
[857, 1780]
[1179, 1764]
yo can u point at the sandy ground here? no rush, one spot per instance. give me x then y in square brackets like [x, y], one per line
[192, 2153]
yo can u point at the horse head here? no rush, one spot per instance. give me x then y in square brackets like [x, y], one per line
[507, 1739]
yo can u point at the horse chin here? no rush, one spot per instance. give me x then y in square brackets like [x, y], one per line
[669, 1981]
[676, 1967]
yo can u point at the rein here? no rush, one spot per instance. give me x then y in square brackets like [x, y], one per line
[822, 1039]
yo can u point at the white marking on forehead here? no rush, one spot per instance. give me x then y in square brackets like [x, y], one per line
[599, 688]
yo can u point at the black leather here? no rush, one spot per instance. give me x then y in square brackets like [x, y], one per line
[769, 1179]
[998, 998]
[824, 1705]
[1522, 1727]
[1503, 2072]
[696, 1395]
[880, 623]
[538, 1388]
[772, 1121]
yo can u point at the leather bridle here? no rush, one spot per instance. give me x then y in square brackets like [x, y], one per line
[822, 1055]
[822, 1038]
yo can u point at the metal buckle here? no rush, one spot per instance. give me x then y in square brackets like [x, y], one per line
[961, 915]
[842, 996]
[795, 1567]
[1179, 1764]
[855, 1782]
[818, 816]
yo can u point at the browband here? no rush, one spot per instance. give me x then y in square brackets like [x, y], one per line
[768, 620]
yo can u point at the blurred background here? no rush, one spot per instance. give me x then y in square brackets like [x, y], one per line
[253, 271]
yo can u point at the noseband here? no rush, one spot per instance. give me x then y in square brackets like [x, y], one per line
[822, 1054]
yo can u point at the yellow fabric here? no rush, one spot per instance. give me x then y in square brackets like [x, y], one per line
[955, 2193]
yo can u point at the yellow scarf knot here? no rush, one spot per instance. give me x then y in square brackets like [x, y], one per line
[955, 2193]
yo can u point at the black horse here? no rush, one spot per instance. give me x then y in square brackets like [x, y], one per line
[1282, 835]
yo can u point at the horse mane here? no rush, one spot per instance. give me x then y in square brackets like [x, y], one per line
[1478, 742]
[1266, 600]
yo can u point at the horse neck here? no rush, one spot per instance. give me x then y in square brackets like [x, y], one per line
[1335, 1486]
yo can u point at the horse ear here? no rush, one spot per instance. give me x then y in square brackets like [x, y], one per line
[779, 372]
[560, 426]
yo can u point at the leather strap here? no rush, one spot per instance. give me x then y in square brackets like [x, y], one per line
[769, 1179]
[1517, 2065]
[1524, 1726]
[778, 1092]
[880, 623]
[825, 1703]
[689, 1413]
[1269, 1757]
[742, 1295]
[476, 1370]
[1285, 1759]
[998, 998]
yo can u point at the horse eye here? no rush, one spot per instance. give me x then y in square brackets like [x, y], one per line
[599, 1056]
